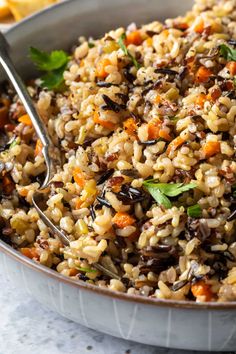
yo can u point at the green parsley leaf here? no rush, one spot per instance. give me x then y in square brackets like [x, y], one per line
[174, 190]
[48, 62]
[91, 45]
[86, 270]
[194, 211]
[170, 189]
[121, 42]
[54, 64]
[227, 52]
[14, 143]
[160, 191]
[159, 197]
[54, 80]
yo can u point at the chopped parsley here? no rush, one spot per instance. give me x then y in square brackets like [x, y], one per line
[122, 45]
[227, 52]
[194, 211]
[54, 64]
[161, 191]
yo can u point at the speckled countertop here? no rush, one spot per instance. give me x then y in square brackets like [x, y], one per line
[26, 327]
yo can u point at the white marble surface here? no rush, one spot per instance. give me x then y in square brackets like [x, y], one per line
[26, 327]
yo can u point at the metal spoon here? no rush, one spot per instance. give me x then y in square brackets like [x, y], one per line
[39, 127]
[48, 150]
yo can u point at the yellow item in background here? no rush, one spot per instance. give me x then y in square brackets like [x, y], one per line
[4, 9]
[23, 8]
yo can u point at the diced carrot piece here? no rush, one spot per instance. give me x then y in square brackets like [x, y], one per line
[200, 100]
[23, 192]
[25, 119]
[203, 74]
[104, 123]
[78, 177]
[8, 185]
[101, 68]
[73, 272]
[175, 144]
[154, 127]
[181, 26]
[211, 148]
[134, 38]
[122, 220]
[131, 127]
[231, 66]
[158, 99]
[38, 148]
[156, 131]
[30, 252]
[199, 27]
[163, 133]
[202, 289]
[149, 42]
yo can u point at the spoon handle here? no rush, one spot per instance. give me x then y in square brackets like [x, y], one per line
[27, 102]
[22, 92]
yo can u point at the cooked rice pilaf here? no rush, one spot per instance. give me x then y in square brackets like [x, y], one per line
[146, 128]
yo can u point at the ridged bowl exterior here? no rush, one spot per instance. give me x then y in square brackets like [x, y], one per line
[160, 323]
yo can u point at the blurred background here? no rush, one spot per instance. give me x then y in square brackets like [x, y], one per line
[15, 10]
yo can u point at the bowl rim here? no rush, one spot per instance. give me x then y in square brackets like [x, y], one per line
[16, 255]
[11, 252]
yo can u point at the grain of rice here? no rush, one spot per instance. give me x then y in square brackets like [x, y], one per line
[161, 121]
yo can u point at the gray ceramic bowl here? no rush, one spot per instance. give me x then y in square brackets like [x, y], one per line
[172, 324]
